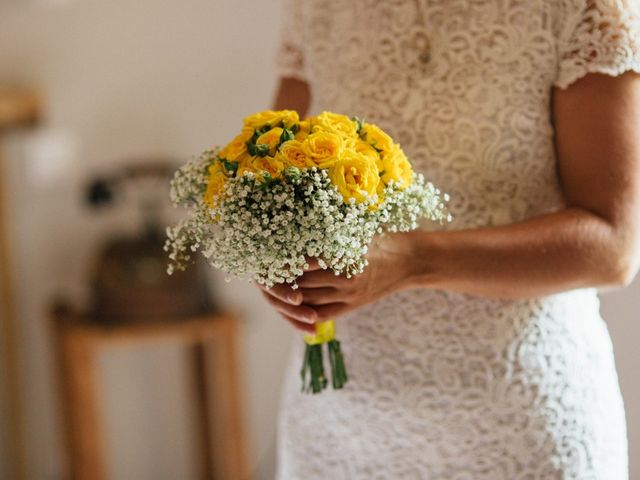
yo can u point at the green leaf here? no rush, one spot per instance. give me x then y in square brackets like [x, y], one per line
[230, 167]
[259, 131]
[266, 176]
[286, 136]
[258, 150]
[292, 173]
[262, 150]
[359, 123]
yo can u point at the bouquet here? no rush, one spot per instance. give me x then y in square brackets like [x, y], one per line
[286, 190]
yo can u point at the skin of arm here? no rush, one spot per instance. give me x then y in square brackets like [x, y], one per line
[593, 242]
[293, 94]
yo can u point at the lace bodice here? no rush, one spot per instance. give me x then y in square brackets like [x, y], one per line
[464, 86]
[448, 386]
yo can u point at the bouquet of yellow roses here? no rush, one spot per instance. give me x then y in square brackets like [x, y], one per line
[286, 190]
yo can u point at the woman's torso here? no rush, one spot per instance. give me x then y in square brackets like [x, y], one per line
[463, 86]
[445, 385]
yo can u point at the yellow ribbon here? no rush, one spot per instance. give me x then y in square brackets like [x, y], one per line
[325, 331]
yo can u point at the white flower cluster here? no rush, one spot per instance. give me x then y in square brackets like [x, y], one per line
[190, 181]
[265, 230]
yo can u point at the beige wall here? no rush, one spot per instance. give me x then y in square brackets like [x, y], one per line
[621, 310]
[126, 78]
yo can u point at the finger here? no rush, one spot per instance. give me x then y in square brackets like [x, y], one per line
[301, 313]
[321, 278]
[321, 296]
[313, 264]
[284, 293]
[303, 327]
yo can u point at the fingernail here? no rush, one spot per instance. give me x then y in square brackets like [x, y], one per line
[309, 318]
[294, 299]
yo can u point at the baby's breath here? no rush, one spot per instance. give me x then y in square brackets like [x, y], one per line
[265, 231]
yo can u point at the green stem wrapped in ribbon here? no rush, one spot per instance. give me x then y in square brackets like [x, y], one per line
[312, 373]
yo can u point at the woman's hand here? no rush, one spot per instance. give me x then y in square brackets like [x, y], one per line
[323, 296]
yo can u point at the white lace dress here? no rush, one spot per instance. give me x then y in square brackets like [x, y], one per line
[446, 386]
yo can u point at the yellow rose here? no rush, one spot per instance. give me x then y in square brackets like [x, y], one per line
[245, 164]
[335, 123]
[292, 154]
[323, 149]
[368, 151]
[396, 167]
[272, 118]
[236, 147]
[271, 138]
[271, 165]
[355, 176]
[304, 128]
[377, 138]
[217, 181]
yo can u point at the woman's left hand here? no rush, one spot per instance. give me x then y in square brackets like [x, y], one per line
[322, 295]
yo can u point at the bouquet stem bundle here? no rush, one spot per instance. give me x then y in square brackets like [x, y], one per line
[313, 361]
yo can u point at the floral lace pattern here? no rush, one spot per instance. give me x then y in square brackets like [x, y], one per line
[443, 385]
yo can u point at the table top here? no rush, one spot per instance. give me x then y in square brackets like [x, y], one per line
[186, 330]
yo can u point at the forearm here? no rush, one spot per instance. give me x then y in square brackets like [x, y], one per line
[292, 94]
[570, 249]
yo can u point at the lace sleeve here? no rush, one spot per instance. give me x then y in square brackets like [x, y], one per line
[290, 57]
[603, 36]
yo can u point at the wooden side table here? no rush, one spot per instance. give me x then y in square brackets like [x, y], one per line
[212, 340]
[18, 108]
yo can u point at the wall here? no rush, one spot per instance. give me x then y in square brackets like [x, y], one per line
[126, 78]
[621, 310]
[123, 79]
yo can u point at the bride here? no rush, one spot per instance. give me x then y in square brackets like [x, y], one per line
[475, 351]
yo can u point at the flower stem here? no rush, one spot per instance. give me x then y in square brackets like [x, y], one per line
[313, 363]
[338, 370]
[305, 366]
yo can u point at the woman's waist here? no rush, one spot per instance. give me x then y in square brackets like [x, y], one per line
[461, 324]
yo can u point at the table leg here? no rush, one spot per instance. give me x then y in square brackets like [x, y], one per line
[203, 425]
[226, 405]
[80, 395]
[10, 357]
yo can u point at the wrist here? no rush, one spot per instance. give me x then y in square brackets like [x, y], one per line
[422, 270]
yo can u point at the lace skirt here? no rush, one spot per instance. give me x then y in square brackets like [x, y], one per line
[449, 387]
